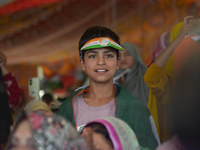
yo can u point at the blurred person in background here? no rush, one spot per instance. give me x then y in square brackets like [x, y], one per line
[154, 106]
[10, 95]
[44, 131]
[53, 104]
[21, 134]
[13, 90]
[47, 98]
[185, 112]
[131, 71]
[161, 75]
[36, 105]
[110, 133]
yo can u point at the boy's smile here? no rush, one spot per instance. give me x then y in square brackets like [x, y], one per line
[100, 64]
[101, 71]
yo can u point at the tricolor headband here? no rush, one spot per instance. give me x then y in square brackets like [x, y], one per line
[101, 42]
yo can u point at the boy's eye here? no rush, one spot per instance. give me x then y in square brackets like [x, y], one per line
[92, 56]
[109, 56]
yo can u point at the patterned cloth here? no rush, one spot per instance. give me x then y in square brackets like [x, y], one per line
[122, 136]
[52, 132]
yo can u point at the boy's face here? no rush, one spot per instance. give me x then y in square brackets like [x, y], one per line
[100, 64]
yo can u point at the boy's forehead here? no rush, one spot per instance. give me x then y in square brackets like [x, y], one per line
[104, 49]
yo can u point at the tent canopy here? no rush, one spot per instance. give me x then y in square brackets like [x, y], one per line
[49, 30]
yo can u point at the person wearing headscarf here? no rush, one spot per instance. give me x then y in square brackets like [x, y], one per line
[36, 105]
[131, 71]
[110, 133]
[160, 45]
[44, 131]
[161, 75]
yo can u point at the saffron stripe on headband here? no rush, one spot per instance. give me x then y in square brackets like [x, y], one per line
[101, 42]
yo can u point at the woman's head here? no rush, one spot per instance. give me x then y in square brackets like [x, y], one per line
[21, 135]
[101, 139]
[129, 57]
[111, 133]
[22, 138]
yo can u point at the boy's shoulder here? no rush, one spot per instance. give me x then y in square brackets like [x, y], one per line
[66, 106]
[122, 93]
[76, 92]
[81, 88]
[124, 98]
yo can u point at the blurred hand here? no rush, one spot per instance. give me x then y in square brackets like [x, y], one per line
[184, 30]
[2, 59]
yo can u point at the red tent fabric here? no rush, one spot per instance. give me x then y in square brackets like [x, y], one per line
[23, 4]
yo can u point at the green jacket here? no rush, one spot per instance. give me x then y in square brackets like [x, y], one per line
[128, 108]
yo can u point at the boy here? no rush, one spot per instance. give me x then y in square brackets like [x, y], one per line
[99, 52]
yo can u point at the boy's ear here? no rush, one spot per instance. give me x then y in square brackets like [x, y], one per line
[118, 61]
[82, 65]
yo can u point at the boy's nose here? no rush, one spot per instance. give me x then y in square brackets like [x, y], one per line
[101, 60]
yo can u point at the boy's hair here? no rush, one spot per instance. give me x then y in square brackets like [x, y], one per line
[95, 32]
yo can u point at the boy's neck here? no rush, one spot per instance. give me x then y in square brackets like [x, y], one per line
[99, 94]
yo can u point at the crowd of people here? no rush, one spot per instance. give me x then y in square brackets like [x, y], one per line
[126, 106]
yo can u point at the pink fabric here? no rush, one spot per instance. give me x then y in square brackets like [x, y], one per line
[172, 144]
[113, 134]
[161, 43]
